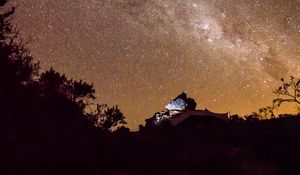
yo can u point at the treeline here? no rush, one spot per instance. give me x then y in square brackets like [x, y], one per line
[44, 118]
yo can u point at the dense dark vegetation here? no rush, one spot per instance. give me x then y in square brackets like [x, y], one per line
[45, 128]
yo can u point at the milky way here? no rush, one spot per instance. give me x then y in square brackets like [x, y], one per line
[227, 54]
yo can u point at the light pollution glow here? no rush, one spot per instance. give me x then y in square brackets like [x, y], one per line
[227, 54]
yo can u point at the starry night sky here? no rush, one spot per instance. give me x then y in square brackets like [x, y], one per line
[228, 55]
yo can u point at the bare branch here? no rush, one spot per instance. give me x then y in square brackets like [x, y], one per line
[287, 92]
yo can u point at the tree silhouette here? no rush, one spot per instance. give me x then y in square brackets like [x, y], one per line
[51, 83]
[289, 91]
[17, 72]
[6, 29]
[55, 86]
[16, 64]
[107, 118]
[44, 116]
[264, 113]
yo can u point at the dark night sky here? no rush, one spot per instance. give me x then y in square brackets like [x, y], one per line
[227, 54]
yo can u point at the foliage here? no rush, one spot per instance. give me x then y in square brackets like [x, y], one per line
[17, 68]
[265, 113]
[289, 91]
[107, 118]
[49, 96]
[51, 83]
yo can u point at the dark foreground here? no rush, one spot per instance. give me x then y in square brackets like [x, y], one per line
[240, 147]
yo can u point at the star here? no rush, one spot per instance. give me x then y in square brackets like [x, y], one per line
[228, 55]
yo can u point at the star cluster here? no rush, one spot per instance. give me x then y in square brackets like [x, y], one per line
[227, 54]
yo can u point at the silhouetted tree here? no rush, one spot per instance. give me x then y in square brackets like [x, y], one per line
[236, 119]
[289, 91]
[44, 116]
[265, 113]
[107, 118]
[18, 72]
[52, 83]
[17, 68]
[6, 29]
